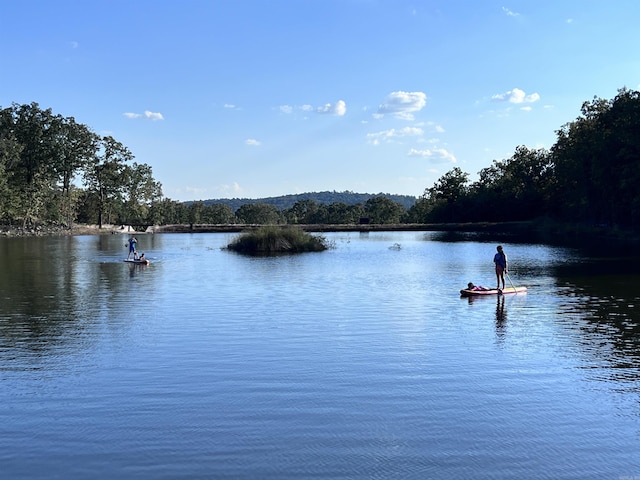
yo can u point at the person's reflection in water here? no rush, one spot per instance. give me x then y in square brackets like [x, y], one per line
[501, 318]
[135, 268]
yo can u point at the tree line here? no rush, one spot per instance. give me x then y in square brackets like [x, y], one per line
[590, 175]
[41, 156]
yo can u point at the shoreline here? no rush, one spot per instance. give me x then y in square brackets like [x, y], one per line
[83, 229]
[541, 230]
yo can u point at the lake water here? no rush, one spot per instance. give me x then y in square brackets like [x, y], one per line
[360, 362]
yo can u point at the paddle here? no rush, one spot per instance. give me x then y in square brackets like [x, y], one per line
[511, 282]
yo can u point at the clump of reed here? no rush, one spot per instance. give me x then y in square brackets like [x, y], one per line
[273, 240]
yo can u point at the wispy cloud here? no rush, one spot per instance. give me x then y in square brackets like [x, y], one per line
[439, 154]
[233, 188]
[436, 127]
[402, 104]
[510, 13]
[339, 109]
[252, 142]
[147, 114]
[391, 134]
[516, 96]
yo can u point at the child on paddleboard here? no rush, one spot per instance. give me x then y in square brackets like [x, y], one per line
[476, 288]
[500, 259]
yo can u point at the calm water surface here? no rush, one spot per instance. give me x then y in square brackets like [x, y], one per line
[360, 362]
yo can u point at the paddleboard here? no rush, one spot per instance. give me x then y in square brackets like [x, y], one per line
[494, 291]
[137, 262]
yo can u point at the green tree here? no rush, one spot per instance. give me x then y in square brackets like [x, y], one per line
[340, 213]
[383, 210]
[518, 188]
[320, 216]
[167, 212]
[420, 212]
[10, 151]
[301, 212]
[74, 146]
[443, 199]
[140, 191]
[31, 174]
[104, 177]
[218, 214]
[258, 214]
[575, 155]
[597, 162]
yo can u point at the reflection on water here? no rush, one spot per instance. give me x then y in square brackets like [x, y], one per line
[358, 362]
[608, 306]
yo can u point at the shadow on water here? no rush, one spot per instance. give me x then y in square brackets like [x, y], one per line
[603, 295]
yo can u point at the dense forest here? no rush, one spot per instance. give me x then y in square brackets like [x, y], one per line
[56, 171]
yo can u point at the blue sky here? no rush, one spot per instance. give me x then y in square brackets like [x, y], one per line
[259, 98]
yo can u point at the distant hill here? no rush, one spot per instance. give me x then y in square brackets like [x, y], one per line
[287, 201]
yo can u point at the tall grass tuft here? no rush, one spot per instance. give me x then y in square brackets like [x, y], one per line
[271, 240]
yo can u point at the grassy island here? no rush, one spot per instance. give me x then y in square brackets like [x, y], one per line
[271, 240]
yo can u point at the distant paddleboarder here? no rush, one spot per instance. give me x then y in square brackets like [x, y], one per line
[132, 247]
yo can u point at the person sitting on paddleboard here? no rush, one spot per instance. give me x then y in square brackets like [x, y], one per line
[471, 286]
[500, 259]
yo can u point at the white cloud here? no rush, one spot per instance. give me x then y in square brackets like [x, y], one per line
[510, 13]
[389, 135]
[153, 115]
[402, 104]
[339, 109]
[436, 153]
[226, 189]
[147, 114]
[196, 191]
[252, 142]
[328, 108]
[229, 106]
[516, 96]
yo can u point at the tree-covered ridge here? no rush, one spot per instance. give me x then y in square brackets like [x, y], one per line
[284, 202]
[590, 175]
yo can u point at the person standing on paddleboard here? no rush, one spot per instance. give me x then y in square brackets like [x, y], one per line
[132, 247]
[500, 259]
